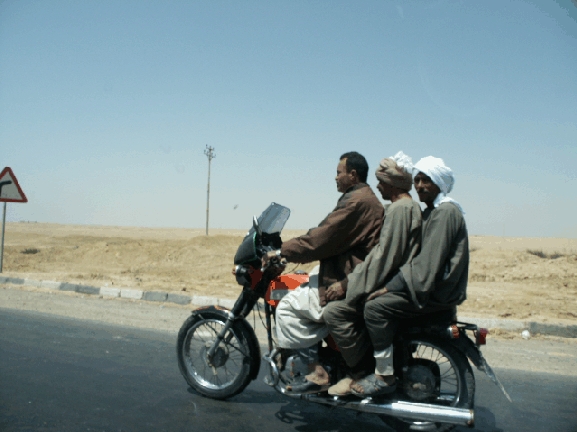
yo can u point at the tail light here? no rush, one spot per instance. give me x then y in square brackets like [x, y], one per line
[481, 336]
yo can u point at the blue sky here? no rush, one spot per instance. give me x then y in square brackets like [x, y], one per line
[106, 107]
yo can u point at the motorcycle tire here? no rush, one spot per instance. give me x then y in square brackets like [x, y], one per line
[236, 360]
[454, 376]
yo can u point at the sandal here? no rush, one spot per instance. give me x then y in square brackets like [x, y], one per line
[370, 386]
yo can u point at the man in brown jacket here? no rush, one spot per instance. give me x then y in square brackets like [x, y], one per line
[340, 242]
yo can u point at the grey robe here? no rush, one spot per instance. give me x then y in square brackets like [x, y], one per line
[399, 242]
[438, 275]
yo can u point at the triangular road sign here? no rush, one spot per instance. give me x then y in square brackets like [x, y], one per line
[10, 190]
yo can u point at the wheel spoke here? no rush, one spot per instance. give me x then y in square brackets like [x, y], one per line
[228, 358]
[446, 370]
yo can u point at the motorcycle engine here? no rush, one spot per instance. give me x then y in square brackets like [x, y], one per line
[420, 383]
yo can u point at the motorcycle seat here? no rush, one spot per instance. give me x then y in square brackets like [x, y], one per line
[442, 318]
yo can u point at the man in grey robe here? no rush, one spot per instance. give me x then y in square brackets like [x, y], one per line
[398, 243]
[435, 280]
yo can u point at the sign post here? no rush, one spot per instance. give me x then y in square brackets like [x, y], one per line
[10, 191]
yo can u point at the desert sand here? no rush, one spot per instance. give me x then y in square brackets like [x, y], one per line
[520, 278]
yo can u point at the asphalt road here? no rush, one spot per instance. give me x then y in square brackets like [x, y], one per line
[62, 374]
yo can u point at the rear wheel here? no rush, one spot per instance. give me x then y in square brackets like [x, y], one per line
[233, 363]
[434, 372]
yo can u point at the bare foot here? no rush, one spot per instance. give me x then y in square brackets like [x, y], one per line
[318, 376]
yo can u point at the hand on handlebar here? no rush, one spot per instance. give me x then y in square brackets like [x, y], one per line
[272, 259]
[267, 257]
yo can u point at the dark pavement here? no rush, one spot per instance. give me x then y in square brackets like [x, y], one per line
[59, 374]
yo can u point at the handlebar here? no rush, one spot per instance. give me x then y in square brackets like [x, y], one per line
[276, 263]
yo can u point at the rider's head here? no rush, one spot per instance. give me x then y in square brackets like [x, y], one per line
[394, 175]
[426, 188]
[433, 178]
[352, 169]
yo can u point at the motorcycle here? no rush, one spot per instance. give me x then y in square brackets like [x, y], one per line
[219, 353]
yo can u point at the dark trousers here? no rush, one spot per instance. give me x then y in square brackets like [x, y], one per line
[355, 329]
[383, 313]
[347, 327]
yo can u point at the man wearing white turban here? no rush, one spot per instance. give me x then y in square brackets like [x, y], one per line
[399, 242]
[435, 280]
[441, 176]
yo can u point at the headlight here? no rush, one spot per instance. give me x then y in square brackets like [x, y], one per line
[242, 275]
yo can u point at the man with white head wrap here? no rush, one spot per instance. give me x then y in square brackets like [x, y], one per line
[435, 280]
[441, 175]
[398, 243]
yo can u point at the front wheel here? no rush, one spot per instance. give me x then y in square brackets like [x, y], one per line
[434, 372]
[235, 361]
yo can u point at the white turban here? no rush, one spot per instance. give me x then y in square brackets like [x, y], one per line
[441, 175]
[403, 161]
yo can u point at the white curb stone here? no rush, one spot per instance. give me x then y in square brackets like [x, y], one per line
[131, 293]
[109, 292]
[505, 324]
[50, 284]
[204, 300]
[227, 303]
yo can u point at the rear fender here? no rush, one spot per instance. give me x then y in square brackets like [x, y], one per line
[468, 347]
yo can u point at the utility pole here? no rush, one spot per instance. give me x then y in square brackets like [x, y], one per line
[209, 152]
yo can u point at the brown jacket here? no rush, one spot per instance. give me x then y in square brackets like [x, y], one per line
[343, 239]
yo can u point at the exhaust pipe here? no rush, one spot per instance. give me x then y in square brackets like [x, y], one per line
[274, 377]
[407, 410]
